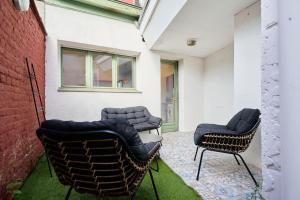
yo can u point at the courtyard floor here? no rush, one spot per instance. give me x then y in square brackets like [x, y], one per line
[220, 177]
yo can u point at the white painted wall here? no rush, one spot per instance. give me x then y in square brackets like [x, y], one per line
[247, 71]
[289, 73]
[190, 93]
[218, 86]
[82, 30]
[40, 5]
[96, 32]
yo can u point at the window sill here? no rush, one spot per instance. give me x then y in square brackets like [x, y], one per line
[104, 90]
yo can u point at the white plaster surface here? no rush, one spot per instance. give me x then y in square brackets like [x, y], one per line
[218, 86]
[84, 30]
[289, 74]
[190, 93]
[247, 69]
[76, 29]
[271, 153]
[165, 12]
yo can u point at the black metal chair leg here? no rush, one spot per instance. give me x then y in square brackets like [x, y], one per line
[157, 131]
[236, 159]
[68, 194]
[132, 197]
[196, 154]
[49, 166]
[200, 164]
[248, 169]
[157, 166]
[153, 184]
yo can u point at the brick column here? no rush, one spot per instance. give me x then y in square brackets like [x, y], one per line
[21, 35]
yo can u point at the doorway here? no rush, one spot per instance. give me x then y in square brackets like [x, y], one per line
[169, 95]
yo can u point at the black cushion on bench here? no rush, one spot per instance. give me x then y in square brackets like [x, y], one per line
[138, 116]
[121, 126]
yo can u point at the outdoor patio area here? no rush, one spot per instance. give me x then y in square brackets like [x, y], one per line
[149, 99]
[221, 178]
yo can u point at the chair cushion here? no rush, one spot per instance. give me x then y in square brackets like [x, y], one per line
[244, 120]
[144, 126]
[152, 147]
[118, 125]
[203, 129]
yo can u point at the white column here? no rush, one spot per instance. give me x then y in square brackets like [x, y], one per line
[289, 67]
[271, 166]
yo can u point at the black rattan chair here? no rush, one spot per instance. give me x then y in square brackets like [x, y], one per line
[105, 158]
[234, 138]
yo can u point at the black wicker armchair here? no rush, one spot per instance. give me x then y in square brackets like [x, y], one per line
[234, 138]
[105, 158]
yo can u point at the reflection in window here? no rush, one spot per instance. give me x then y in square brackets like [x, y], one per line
[73, 66]
[102, 70]
[125, 72]
[91, 69]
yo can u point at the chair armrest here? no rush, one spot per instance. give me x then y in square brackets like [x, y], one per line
[155, 120]
[144, 165]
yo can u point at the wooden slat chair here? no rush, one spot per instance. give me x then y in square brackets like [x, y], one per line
[234, 138]
[105, 158]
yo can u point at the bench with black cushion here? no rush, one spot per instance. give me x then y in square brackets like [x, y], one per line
[106, 158]
[233, 138]
[138, 116]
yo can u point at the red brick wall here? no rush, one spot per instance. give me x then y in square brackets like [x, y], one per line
[21, 35]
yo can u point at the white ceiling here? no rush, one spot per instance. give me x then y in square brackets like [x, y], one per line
[211, 22]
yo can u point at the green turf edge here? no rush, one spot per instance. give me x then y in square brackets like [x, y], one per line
[181, 179]
[39, 178]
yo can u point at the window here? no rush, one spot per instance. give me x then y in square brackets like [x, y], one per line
[96, 70]
[125, 71]
[102, 70]
[73, 63]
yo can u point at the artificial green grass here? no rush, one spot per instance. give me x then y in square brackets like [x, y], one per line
[39, 186]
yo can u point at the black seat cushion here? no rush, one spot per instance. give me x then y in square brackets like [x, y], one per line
[244, 120]
[119, 125]
[203, 129]
[138, 116]
[144, 126]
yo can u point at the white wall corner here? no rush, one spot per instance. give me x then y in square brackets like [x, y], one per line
[190, 93]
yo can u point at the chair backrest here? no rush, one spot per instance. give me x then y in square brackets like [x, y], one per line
[134, 115]
[244, 120]
[94, 161]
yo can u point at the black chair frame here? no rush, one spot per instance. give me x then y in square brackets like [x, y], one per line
[64, 157]
[229, 144]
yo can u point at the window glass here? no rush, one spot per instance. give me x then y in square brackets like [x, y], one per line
[102, 70]
[125, 72]
[73, 64]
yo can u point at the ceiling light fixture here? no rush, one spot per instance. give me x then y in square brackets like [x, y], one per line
[191, 42]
